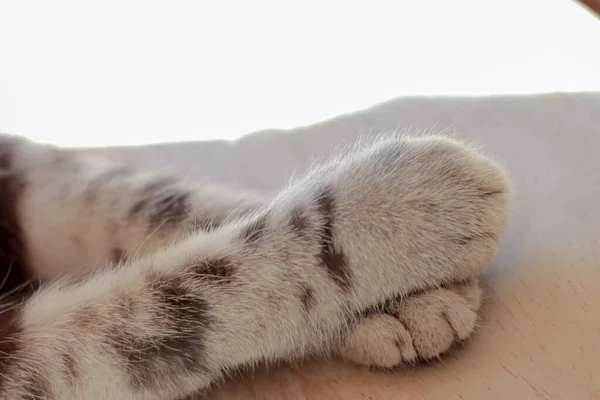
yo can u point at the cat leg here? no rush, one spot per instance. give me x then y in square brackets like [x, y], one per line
[65, 212]
[383, 220]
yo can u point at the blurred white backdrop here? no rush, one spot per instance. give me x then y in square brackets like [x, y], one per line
[120, 72]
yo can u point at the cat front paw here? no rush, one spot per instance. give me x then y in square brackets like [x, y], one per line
[422, 326]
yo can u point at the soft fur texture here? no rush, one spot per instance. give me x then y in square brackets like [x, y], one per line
[154, 289]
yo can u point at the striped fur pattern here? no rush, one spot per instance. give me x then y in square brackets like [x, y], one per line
[121, 285]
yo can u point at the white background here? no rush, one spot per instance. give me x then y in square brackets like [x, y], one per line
[117, 72]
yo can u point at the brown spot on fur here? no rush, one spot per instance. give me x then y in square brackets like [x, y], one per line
[138, 206]
[126, 304]
[307, 298]
[70, 366]
[274, 301]
[118, 255]
[171, 209]
[162, 202]
[183, 317]
[369, 311]
[152, 190]
[10, 344]
[332, 258]
[489, 193]
[88, 318]
[255, 230]
[298, 220]
[464, 240]
[217, 271]
[36, 386]
[14, 269]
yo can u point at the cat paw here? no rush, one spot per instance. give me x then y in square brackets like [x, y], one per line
[422, 326]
